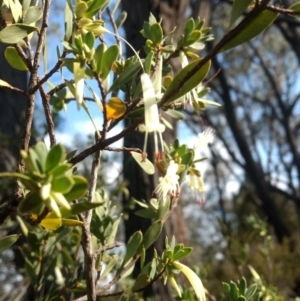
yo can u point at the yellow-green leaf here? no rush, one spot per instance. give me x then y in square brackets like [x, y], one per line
[258, 25]
[193, 279]
[51, 223]
[71, 222]
[13, 58]
[4, 84]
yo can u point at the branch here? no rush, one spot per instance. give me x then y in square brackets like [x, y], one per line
[86, 242]
[283, 11]
[123, 149]
[15, 89]
[107, 247]
[48, 115]
[102, 144]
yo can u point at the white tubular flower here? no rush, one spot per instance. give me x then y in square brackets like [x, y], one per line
[152, 123]
[205, 138]
[169, 183]
[158, 79]
[196, 183]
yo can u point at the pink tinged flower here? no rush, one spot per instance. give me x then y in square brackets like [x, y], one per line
[152, 123]
[168, 185]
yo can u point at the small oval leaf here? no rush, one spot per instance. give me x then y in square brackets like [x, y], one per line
[7, 241]
[15, 33]
[13, 58]
[144, 163]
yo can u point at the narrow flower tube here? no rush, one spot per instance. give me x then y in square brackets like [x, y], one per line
[152, 123]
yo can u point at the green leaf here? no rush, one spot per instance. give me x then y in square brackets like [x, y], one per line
[148, 62]
[146, 213]
[68, 17]
[60, 170]
[233, 291]
[144, 163]
[163, 209]
[189, 26]
[13, 58]
[242, 286]
[25, 4]
[193, 38]
[67, 258]
[182, 253]
[98, 56]
[15, 33]
[35, 164]
[109, 57]
[141, 281]
[187, 158]
[190, 83]
[78, 190]
[258, 25]
[156, 33]
[125, 76]
[32, 15]
[89, 39]
[55, 156]
[41, 151]
[7, 241]
[32, 203]
[110, 265]
[251, 290]
[76, 209]
[152, 233]
[62, 184]
[143, 258]
[94, 7]
[241, 298]
[113, 231]
[133, 245]
[238, 8]
[80, 9]
[70, 222]
[226, 287]
[295, 7]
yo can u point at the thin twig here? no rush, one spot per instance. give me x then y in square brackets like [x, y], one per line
[59, 87]
[123, 149]
[284, 11]
[107, 247]
[114, 25]
[41, 40]
[48, 115]
[102, 144]
[56, 67]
